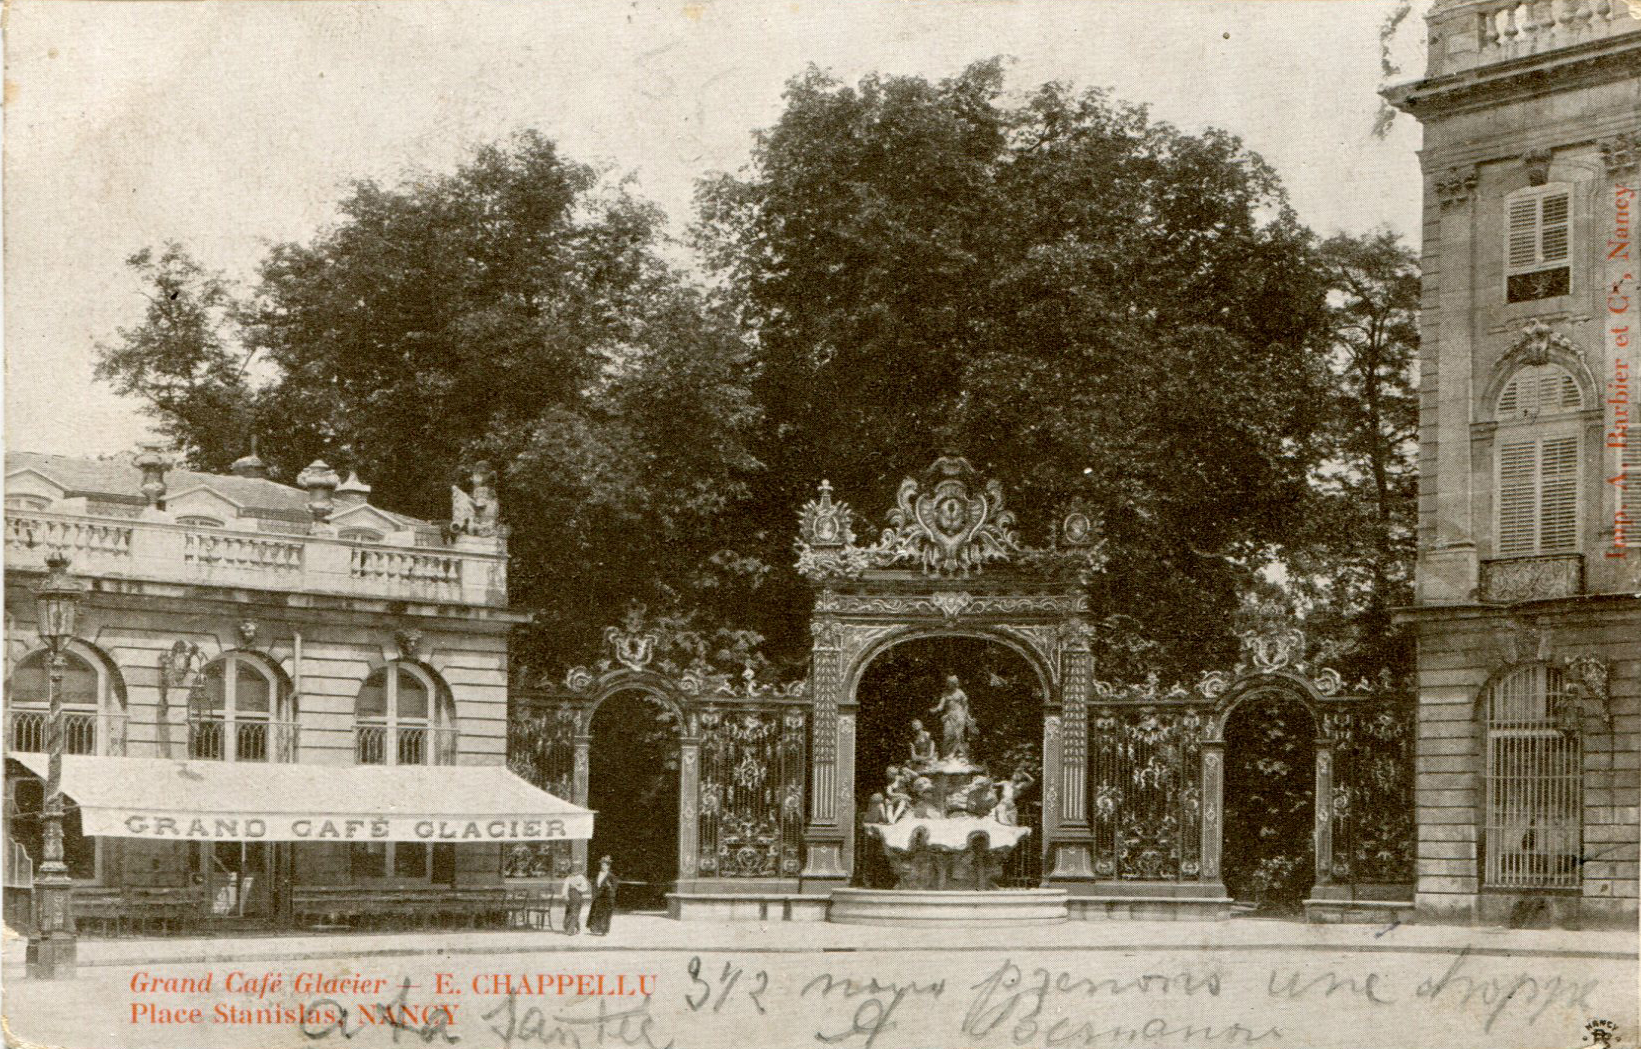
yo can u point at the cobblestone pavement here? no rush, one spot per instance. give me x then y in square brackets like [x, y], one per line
[655, 982]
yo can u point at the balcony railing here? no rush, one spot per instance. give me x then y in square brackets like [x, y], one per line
[407, 744]
[472, 571]
[1467, 35]
[243, 739]
[84, 732]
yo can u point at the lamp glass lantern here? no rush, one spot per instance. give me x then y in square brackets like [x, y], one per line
[57, 601]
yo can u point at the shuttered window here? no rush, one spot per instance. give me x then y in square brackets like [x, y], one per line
[1538, 495]
[1538, 456]
[1534, 824]
[1541, 390]
[1538, 244]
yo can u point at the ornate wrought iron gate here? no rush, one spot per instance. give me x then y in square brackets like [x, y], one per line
[743, 761]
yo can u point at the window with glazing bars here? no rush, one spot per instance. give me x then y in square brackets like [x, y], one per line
[1534, 804]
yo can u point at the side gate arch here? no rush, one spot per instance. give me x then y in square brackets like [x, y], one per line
[1158, 778]
[949, 564]
[741, 769]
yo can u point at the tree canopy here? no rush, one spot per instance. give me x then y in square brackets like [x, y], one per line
[1082, 299]
[1085, 301]
[516, 310]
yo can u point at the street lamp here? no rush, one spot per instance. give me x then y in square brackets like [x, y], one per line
[52, 948]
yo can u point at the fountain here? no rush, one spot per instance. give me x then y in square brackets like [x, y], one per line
[946, 828]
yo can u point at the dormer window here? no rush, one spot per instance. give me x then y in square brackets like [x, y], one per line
[27, 502]
[199, 521]
[1538, 243]
[361, 535]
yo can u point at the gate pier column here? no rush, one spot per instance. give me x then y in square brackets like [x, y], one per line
[1073, 842]
[826, 836]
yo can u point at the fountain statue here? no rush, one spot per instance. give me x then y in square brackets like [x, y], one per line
[943, 822]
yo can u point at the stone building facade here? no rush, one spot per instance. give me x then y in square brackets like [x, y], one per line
[239, 625]
[1527, 615]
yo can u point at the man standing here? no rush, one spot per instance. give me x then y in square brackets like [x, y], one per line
[576, 889]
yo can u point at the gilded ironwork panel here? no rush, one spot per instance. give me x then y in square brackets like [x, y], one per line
[1372, 804]
[751, 803]
[541, 750]
[1146, 790]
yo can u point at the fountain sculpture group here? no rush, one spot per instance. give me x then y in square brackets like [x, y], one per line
[942, 821]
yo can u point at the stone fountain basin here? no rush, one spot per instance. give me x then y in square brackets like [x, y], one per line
[951, 832]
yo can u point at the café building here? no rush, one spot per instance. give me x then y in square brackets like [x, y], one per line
[283, 706]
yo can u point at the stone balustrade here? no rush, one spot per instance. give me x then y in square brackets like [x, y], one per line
[1483, 32]
[153, 546]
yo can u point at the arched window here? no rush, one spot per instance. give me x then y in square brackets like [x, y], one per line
[27, 502]
[400, 719]
[92, 723]
[1535, 795]
[1538, 456]
[237, 712]
[199, 521]
[361, 535]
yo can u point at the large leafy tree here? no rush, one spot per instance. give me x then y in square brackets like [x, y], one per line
[1355, 566]
[516, 310]
[1085, 300]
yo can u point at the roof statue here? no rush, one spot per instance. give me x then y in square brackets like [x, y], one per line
[947, 521]
[476, 514]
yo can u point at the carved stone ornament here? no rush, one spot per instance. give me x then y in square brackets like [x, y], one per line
[1537, 162]
[409, 643]
[1455, 187]
[1536, 340]
[1621, 153]
[1531, 578]
[1588, 680]
[1527, 642]
[579, 679]
[320, 481]
[479, 513]
[152, 463]
[246, 630]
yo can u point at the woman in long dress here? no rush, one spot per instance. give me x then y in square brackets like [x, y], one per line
[604, 886]
[576, 889]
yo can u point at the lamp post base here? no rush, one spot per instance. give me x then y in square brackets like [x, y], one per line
[52, 958]
[53, 950]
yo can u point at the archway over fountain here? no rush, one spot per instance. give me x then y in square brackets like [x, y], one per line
[900, 683]
[949, 565]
